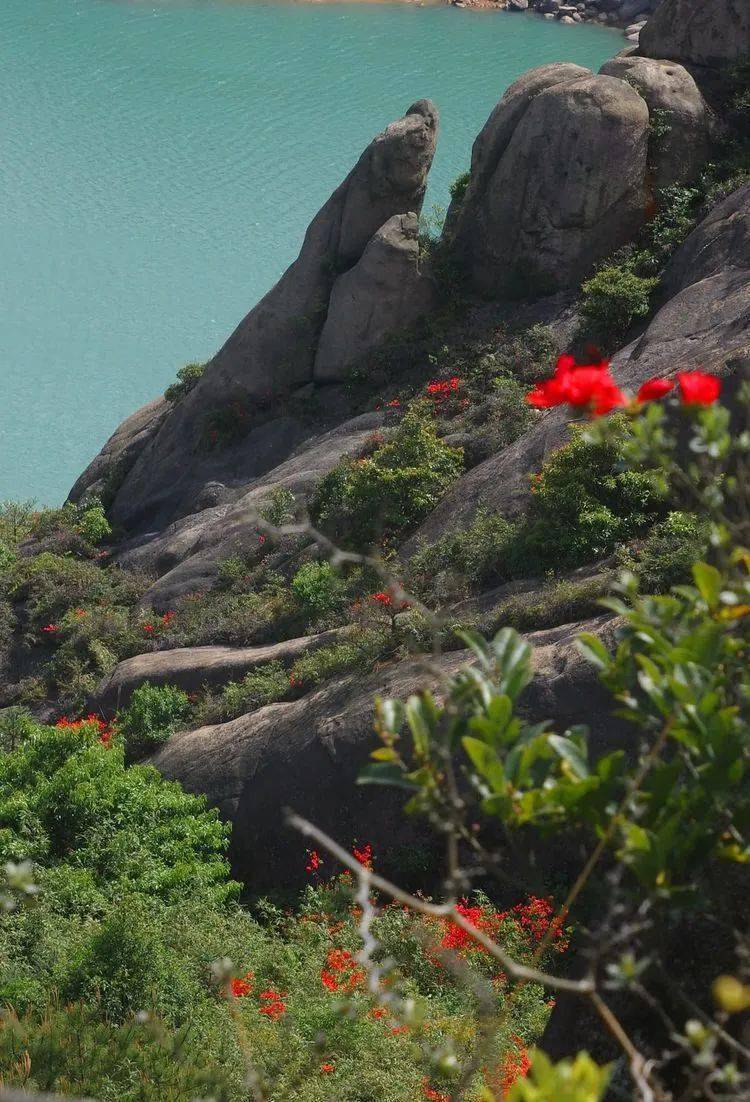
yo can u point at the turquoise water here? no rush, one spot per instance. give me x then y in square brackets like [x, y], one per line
[160, 161]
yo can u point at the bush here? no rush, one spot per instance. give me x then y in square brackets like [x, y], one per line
[187, 377]
[319, 589]
[153, 714]
[464, 559]
[93, 525]
[366, 501]
[459, 186]
[585, 503]
[666, 556]
[263, 685]
[279, 508]
[318, 665]
[612, 299]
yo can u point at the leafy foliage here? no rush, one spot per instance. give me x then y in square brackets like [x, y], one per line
[152, 714]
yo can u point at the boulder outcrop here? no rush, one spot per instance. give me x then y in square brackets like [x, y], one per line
[273, 349]
[192, 668]
[307, 755]
[542, 205]
[698, 33]
[680, 143]
[386, 292]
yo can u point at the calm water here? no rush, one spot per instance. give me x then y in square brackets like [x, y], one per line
[159, 162]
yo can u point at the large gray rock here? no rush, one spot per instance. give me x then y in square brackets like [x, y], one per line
[386, 292]
[698, 32]
[273, 350]
[669, 90]
[192, 668]
[543, 204]
[307, 755]
[122, 449]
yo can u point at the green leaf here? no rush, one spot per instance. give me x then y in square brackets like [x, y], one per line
[485, 761]
[387, 773]
[570, 754]
[709, 583]
[593, 650]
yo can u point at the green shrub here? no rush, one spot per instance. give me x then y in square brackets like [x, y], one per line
[187, 377]
[459, 186]
[562, 602]
[362, 502]
[463, 559]
[319, 589]
[666, 555]
[93, 525]
[318, 665]
[263, 685]
[279, 508]
[152, 715]
[612, 299]
[585, 503]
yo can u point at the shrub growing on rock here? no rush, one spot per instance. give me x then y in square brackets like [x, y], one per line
[380, 498]
[613, 299]
[187, 377]
[152, 715]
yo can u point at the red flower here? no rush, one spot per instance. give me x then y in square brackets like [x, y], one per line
[295, 682]
[314, 861]
[242, 986]
[377, 1012]
[363, 855]
[148, 629]
[433, 1095]
[103, 730]
[50, 629]
[79, 613]
[327, 1069]
[261, 539]
[653, 389]
[167, 618]
[584, 386]
[697, 388]
[273, 1004]
[341, 972]
[394, 403]
[384, 599]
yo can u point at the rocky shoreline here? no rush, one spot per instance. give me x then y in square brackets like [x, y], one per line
[630, 15]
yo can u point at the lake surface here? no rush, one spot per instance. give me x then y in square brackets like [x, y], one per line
[160, 161]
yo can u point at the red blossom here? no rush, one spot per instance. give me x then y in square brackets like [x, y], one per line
[537, 919]
[584, 386]
[103, 730]
[341, 972]
[327, 1069]
[79, 613]
[514, 1065]
[50, 629]
[364, 855]
[242, 986]
[653, 389]
[295, 682]
[273, 1004]
[167, 618]
[148, 629]
[314, 861]
[431, 1094]
[394, 403]
[697, 388]
[261, 539]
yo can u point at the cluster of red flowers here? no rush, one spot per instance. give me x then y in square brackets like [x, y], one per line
[535, 918]
[295, 682]
[363, 854]
[591, 388]
[50, 629]
[242, 986]
[314, 861]
[273, 1005]
[341, 973]
[103, 730]
[385, 600]
[514, 1065]
[441, 391]
[327, 1069]
[80, 613]
[431, 1094]
[151, 628]
[538, 920]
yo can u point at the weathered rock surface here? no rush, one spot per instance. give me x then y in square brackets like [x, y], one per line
[191, 668]
[272, 351]
[307, 755]
[668, 88]
[386, 292]
[543, 204]
[703, 322]
[698, 32]
[122, 448]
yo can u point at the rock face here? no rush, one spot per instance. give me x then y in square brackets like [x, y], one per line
[698, 32]
[543, 204]
[384, 293]
[190, 668]
[307, 754]
[703, 322]
[122, 448]
[272, 351]
[675, 102]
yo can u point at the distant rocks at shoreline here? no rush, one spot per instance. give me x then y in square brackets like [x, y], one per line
[630, 15]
